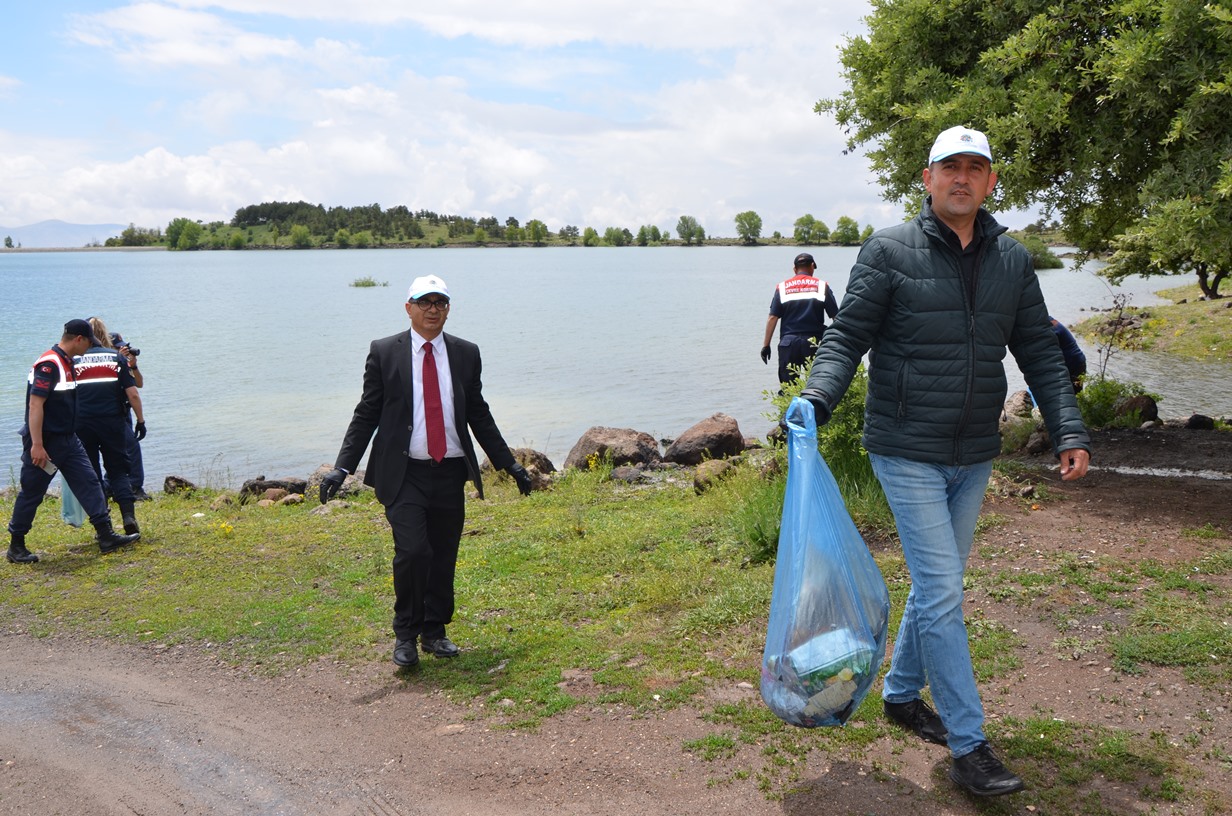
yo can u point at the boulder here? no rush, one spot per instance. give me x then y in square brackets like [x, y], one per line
[710, 472]
[716, 437]
[177, 484]
[623, 446]
[1018, 404]
[1039, 443]
[1200, 422]
[631, 474]
[351, 486]
[259, 485]
[1143, 405]
[537, 464]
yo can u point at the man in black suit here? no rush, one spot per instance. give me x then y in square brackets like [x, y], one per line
[422, 391]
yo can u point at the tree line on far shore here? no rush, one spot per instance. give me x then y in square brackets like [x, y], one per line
[300, 225]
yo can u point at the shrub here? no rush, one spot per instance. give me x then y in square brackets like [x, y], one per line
[1102, 397]
[839, 441]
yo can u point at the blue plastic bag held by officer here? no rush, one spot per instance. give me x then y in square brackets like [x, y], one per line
[70, 509]
[830, 609]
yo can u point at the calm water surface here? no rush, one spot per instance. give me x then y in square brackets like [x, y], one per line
[253, 360]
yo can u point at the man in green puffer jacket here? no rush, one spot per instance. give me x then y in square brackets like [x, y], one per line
[937, 301]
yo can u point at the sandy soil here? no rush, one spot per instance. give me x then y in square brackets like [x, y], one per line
[91, 728]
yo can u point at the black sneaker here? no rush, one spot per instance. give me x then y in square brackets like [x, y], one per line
[916, 715]
[981, 773]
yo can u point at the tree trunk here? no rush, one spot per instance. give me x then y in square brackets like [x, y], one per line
[1202, 282]
[1219, 276]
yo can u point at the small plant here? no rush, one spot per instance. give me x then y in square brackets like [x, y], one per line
[366, 281]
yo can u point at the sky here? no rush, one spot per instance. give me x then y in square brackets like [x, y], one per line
[599, 114]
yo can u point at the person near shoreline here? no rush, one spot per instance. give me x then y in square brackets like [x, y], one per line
[421, 393]
[1075, 360]
[49, 442]
[802, 303]
[133, 434]
[938, 300]
[106, 391]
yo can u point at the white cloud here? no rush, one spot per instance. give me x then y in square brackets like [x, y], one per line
[682, 25]
[586, 138]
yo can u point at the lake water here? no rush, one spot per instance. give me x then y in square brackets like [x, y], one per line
[253, 360]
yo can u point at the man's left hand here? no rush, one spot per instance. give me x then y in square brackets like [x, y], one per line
[765, 354]
[139, 431]
[520, 476]
[1074, 464]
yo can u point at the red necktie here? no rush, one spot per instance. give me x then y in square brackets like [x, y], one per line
[433, 413]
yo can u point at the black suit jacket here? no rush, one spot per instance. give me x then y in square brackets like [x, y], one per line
[385, 408]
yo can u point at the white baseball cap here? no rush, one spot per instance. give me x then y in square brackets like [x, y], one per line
[959, 139]
[427, 285]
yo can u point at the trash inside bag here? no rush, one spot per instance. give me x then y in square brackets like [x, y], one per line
[830, 609]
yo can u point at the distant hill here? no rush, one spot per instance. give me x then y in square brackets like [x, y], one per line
[59, 234]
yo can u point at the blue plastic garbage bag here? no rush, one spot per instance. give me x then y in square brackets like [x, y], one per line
[70, 509]
[830, 609]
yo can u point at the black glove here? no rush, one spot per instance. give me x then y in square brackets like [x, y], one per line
[765, 354]
[331, 483]
[520, 476]
[139, 431]
[820, 412]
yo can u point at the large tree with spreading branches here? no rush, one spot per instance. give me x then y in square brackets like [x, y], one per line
[1115, 115]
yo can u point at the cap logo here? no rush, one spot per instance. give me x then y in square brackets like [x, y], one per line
[966, 137]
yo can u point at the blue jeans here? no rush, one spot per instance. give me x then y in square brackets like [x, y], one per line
[935, 509]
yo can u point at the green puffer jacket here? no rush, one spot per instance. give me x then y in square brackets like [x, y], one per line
[936, 380]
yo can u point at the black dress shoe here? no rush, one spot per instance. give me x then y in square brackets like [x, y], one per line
[981, 773]
[918, 716]
[405, 653]
[440, 647]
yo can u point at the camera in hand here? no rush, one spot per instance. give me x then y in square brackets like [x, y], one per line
[132, 350]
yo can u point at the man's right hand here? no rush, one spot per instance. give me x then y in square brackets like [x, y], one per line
[331, 483]
[765, 354]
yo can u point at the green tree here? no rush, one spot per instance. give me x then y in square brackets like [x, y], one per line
[8, 242]
[342, 237]
[183, 234]
[846, 232]
[590, 237]
[301, 237]
[643, 236]
[689, 230]
[536, 232]
[808, 230]
[866, 233]
[748, 226]
[480, 235]
[363, 239]
[1116, 114]
[237, 241]
[513, 234]
[1041, 256]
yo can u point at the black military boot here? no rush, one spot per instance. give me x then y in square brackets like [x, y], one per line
[130, 518]
[18, 554]
[109, 540]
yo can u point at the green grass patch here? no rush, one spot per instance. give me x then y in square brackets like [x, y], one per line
[602, 594]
